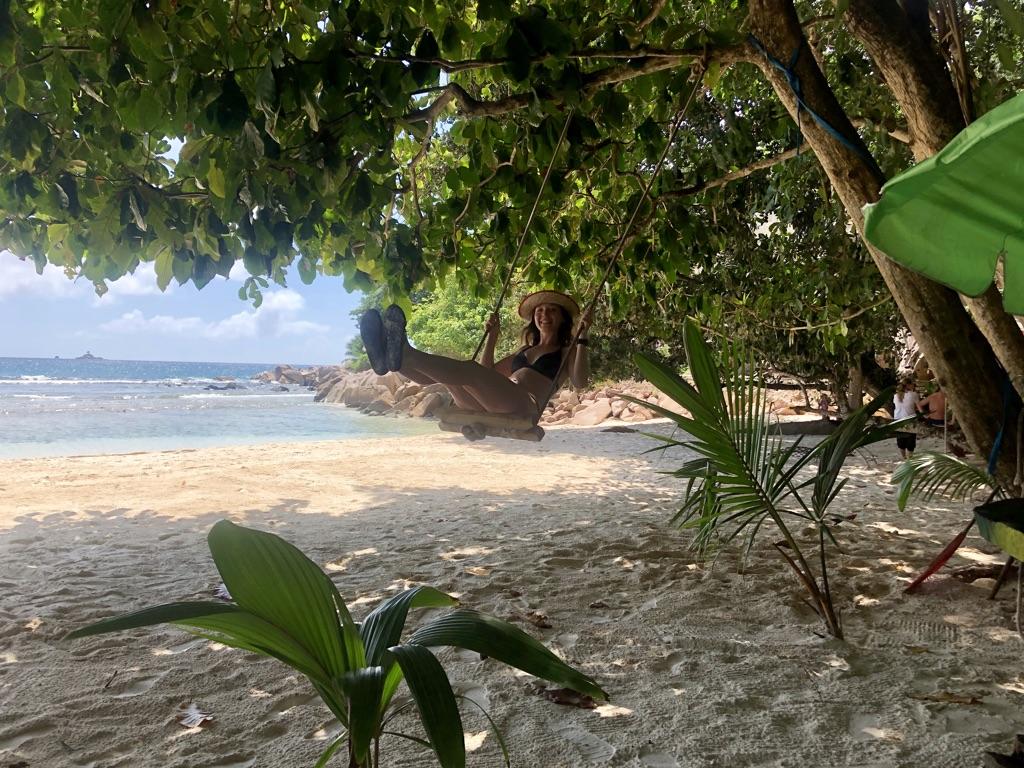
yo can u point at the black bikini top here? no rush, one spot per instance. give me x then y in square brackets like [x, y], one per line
[546, 365]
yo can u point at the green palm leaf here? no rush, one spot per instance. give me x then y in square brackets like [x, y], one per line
[439, 711]
[500, 640]
[382, 627]
[223, 623]
[930, 474]
[272, 579]
[363, 688]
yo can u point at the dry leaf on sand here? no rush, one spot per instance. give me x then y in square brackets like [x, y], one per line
[566, 696]
[191, 716]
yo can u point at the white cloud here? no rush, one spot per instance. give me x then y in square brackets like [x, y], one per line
[19, 277]
[238, 272]
[142, 282]
[276, 317]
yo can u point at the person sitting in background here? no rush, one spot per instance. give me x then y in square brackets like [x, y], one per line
[934, 408]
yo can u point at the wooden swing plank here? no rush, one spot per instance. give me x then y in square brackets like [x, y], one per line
[498, 420]
[479, 431]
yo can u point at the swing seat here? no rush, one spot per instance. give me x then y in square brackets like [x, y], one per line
[476, 425]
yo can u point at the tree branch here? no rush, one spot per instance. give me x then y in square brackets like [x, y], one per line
[901, 135]
[740, 173]
[640, 63]
[656, 8]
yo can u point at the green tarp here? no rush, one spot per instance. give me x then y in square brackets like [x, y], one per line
[953, 216]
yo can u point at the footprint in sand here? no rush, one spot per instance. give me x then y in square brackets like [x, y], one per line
[326, 731]
[12, 742]
[591, 748]
[474, 692]
[234, 761]
[566, 563]
[671, 663]
[286, 703]
[649, 758]
[188, 645]
[135, 687]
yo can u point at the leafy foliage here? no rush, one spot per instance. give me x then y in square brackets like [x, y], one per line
[287, 608]
[450, 321]
[746, 474]
[397, 144]
[929, 474]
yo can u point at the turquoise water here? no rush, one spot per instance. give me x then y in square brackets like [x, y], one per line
[69, 407]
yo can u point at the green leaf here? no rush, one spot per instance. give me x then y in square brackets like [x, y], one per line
[15, 90]
[215, 178]
[1013, 17]
[223, 622]
[273, 580]
[439, 711]
[702, 366]
[363, 688]
[160, 614]
[382, 627]
[193, 147]
[133, 206]
[164, 268]
[928, 474]
[362, 193]
[508, 644]
[493, 10]
[333, 747]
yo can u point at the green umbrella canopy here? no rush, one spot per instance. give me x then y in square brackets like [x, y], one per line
[952, 216]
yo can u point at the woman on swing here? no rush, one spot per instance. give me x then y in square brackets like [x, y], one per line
[517, 385]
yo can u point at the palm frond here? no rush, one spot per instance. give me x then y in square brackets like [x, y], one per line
[930, 474]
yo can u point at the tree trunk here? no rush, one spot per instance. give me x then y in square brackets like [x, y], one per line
[904, 52]
[960, 356]
[855, 387]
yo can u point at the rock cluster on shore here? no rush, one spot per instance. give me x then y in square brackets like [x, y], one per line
[396, 395]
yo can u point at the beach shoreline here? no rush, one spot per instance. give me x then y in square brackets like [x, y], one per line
[706, 666]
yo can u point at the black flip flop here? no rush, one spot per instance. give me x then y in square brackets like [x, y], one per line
[394, 332]
[371, 328]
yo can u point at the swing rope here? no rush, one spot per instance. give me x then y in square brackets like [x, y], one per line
[526, 229]
[623, 238]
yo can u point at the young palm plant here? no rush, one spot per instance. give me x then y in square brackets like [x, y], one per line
[746, 474]
[285, 607]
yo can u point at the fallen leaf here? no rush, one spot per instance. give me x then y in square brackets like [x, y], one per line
[567, 697]
[917, 649]
[945, 697]
[476, 570]
[191, 716]
[538, 619]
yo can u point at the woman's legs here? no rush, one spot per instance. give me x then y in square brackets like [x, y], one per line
[460, 395]
[478, 388]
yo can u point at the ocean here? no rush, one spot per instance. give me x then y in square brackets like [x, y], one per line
[64, 407]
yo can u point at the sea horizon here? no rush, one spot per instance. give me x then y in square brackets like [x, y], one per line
[83, 357]
[53, 406]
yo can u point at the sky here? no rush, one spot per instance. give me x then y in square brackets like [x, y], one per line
[49, 315]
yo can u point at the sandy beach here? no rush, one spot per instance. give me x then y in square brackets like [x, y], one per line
[706, 666]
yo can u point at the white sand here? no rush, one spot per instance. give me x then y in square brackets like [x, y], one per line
[705, 666]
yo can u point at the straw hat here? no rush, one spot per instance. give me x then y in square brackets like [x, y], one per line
[533, 300]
